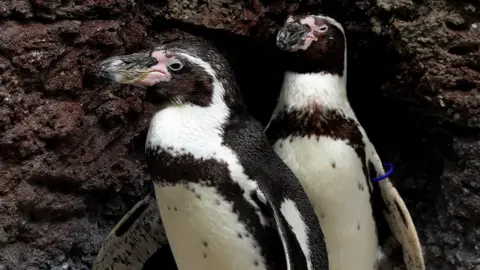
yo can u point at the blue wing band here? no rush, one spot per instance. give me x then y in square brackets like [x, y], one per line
[387, 174]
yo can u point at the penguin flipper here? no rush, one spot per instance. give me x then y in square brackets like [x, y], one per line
[398, 218]
[137, 241]
[282, 227]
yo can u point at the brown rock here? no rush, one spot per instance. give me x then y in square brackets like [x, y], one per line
[71, 148]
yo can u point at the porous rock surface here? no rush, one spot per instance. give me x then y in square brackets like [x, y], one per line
[71, 148]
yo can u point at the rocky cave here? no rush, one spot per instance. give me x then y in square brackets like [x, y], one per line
[71, 148]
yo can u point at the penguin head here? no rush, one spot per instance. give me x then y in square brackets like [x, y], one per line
[315, 41]
[176, 73]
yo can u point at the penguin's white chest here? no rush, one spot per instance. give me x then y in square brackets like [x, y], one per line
[204, 232]
[331, 173]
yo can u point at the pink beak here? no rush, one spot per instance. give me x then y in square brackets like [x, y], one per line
[139, 69]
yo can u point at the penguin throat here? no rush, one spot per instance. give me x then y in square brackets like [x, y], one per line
[300, 91]
[188, 126]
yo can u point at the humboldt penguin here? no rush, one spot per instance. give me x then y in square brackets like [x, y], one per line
[226, 200]
[316, 133]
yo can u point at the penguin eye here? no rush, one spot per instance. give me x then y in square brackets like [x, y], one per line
[323, 28]
[175, 65]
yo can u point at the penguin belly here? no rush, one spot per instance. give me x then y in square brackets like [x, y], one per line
[203, 230]
[331, 173]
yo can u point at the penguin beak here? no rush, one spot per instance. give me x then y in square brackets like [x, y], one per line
[292, 35]
[138, 69]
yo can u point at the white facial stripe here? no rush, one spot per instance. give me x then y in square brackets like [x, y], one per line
[323, 28]
[331, 21]
[219, 91]
[206, 66]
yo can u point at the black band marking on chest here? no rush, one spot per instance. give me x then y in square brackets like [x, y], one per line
[314, 121]
[167, 169]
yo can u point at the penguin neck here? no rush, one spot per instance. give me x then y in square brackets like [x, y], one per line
[322, 89]
[189, 127]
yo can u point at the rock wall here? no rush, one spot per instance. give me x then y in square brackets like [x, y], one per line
[71, 149]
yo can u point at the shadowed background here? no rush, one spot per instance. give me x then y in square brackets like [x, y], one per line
[71, 147]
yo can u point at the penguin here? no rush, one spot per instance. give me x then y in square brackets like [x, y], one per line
[226, 200]
[316, 133]
[137, 242]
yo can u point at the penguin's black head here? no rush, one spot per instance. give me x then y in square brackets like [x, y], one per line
[313, 43]
[180, 73]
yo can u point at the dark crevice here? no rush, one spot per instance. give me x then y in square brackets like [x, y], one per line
[90, 79]
[68, 37]
[52, 144]
[66, 2]
[137, 145]
[474, 65]
[464, 26]
[407, 14]
[18, 16]
[463, 49]
[465, 85]
[61, 184]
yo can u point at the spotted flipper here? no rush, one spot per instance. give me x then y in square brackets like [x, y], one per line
[399, 219]
[137, 242]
